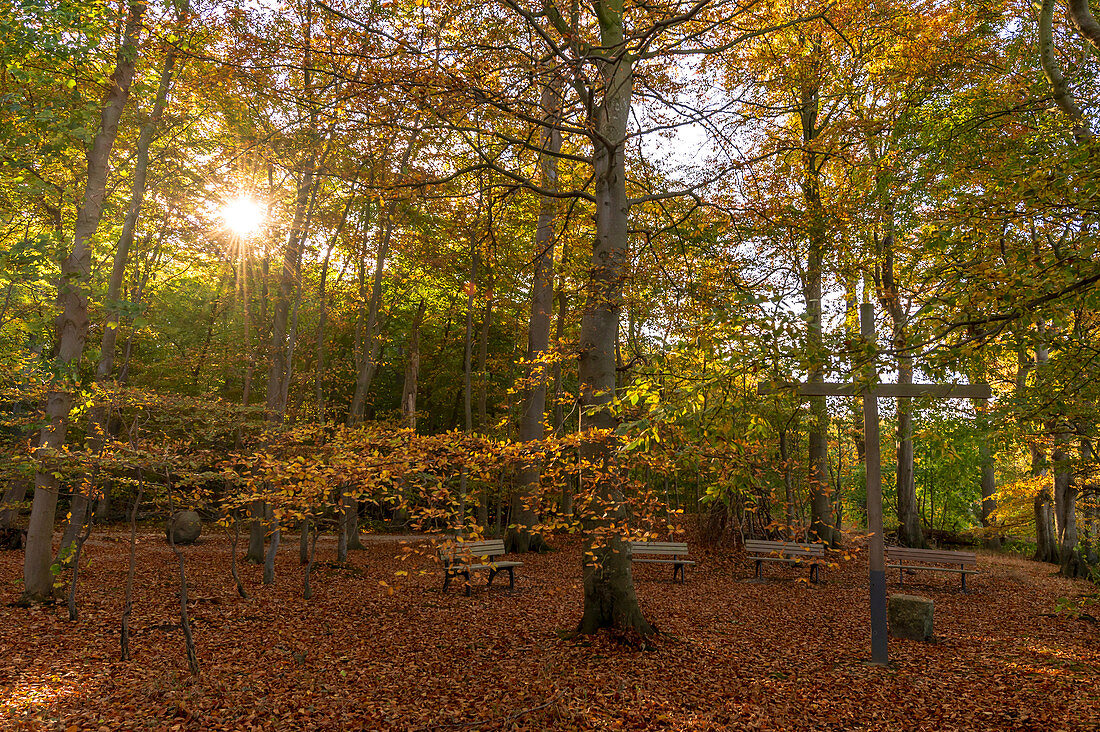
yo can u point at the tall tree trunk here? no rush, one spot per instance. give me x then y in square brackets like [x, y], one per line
[282, 342]
[988, 475]
[521, 536]
[284, 339]
[909, 528]
[133, 212]
[368, 364]
[609, 596]
[412, 372]
[72, 322]
[468, 343]
[1073, 562]
[100, 412]
[1046, 538]
[322, 318]
[256, 532]
[788, 484]
[821, 528]
[289, 280]
[559, 387]
[483, 353]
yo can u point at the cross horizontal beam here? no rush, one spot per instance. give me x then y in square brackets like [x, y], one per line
[943, 391]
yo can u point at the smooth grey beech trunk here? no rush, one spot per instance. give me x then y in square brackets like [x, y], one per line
[521, 536]
[72, 321]
[610, 600]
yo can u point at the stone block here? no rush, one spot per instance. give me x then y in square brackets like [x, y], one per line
[910, 616]
[184, 527]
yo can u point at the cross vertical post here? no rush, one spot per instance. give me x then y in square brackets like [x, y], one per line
[879, 651]
[870, 390]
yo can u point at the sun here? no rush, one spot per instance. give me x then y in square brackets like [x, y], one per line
[242, 216]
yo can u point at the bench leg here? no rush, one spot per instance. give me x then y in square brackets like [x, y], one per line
[963, 575]
[446, 579]
[759, 567]
[678, 568]
[511, 579]
[901, 576]
[492, 574]
[467, 573]
[815, 573]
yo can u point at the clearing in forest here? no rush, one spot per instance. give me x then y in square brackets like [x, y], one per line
[380, 647]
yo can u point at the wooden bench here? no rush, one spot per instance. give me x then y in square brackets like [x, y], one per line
[664, 552]
[788, 552]
[463, 557]
[903, 554]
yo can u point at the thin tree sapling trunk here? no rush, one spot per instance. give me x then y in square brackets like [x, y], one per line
[185, 620]
[307, 593]
[272, 550]
[233, 559]
[78, 546]
[128, 605]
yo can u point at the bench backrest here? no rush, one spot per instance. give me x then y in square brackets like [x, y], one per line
[665, 548]
[464, 552]
[784, 548]
[933, 556]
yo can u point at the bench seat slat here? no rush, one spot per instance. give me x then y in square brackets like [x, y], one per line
[757, 546]
[460, 568]
[933, 569]
[933, 556]
[664, 561]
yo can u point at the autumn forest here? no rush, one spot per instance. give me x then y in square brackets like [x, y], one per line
[315, 315]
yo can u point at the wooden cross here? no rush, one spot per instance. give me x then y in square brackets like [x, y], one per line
[870, 395]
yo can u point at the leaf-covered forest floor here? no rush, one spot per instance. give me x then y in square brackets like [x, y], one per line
[375, 649]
